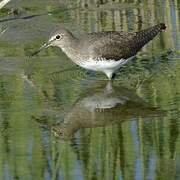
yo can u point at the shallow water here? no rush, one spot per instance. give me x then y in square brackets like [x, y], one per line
[58, 121]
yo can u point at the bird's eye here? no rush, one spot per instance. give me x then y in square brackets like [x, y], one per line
[58, 37]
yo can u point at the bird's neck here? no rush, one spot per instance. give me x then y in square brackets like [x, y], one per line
[71, 48]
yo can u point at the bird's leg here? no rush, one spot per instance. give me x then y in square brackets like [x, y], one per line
[109, 74]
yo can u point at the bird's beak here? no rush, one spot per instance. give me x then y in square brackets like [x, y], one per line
[44, 46]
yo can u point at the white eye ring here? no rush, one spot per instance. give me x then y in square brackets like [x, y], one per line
[58, 36]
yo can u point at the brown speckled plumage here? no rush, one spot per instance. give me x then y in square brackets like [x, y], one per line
[117, 45]
[112, 45]
[102, 51]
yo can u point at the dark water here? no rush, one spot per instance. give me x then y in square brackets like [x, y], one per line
[58, 121]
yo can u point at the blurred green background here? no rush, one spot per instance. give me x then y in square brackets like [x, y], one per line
[52, 121]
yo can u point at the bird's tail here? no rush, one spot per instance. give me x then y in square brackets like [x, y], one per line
[146, 35]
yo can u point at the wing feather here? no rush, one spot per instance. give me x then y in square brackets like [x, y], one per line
[117, 45]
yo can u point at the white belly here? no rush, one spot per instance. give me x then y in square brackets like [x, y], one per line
[102, 65]
[106, 66]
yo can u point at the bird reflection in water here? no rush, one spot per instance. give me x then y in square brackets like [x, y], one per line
[101, 108]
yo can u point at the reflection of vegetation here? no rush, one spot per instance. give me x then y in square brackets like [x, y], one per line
[146, 148]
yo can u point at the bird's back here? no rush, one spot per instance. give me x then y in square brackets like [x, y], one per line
[115, 45]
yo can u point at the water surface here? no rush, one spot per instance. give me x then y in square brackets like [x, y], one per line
[58, 121]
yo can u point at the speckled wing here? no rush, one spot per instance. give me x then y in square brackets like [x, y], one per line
[118, 45]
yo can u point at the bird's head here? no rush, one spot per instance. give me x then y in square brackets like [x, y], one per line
[60, 38]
